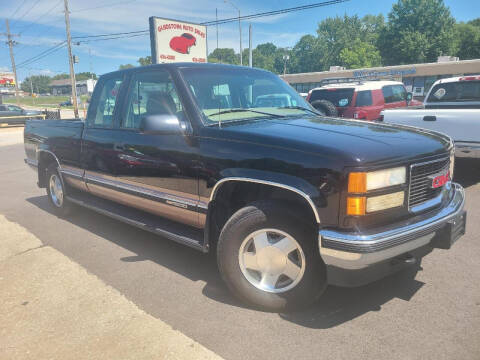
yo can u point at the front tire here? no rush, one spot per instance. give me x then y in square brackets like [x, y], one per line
[268, 257]
[56, 192]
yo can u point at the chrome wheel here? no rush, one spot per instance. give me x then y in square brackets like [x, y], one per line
[56, 190]
[271, 260]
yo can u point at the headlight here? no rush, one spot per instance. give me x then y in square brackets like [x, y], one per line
[382, 202]
[362, 182]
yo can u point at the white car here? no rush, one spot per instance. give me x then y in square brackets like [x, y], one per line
[452, 107]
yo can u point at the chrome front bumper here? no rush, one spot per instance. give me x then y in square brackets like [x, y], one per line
[347, 250]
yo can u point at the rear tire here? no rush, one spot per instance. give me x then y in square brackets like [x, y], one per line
[56, 192]
[269, 258]
[325, 107]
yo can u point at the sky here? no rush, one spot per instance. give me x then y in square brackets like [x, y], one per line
[41, 25]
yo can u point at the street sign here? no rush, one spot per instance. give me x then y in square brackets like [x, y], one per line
[177, 41]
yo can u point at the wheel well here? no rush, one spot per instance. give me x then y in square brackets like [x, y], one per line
[44, 161]
[233, 195]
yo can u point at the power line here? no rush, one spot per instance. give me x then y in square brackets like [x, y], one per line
[130, 34]
[18, 8]
[25, 28]
[112, 34]
[275, 12]
[228, 20]
[104, 6]
[109, 38]
[27, 12]
[43, 54]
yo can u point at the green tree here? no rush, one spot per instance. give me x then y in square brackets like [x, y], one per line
[224, 56]
[85, 76]
[143, 61]
[360, 54]
[338, 33]
[474, 22]
[468, 41]
[60, 76]
[125, 66]
[417, 31]
[40, 84]
[308, 55]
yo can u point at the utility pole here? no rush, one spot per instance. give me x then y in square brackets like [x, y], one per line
[216, 23]
[250, 60]
[70, 60]
[239, 27]
[10, 44]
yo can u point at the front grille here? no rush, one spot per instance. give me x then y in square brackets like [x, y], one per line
[420, 185]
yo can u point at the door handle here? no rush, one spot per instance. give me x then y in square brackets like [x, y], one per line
[429, 118]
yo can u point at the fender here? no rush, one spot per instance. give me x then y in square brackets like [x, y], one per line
[284, 181]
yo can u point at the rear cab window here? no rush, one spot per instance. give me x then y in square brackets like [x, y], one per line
[340, 97]
[101, 110]
[464, 91]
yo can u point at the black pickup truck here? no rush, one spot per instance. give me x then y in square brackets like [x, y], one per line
[232, 160]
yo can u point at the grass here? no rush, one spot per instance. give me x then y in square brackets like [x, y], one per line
[43, 101]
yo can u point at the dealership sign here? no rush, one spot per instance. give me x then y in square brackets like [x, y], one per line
[177, 41]
[391, 72]
[7, 79]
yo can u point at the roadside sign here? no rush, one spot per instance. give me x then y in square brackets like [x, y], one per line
[177, 41]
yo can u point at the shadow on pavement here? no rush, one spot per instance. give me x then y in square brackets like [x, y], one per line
[467, 172]
[336, 306]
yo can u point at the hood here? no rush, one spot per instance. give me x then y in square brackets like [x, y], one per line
[355, 142]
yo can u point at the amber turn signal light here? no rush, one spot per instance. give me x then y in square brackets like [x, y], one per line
[357, 182]
[356, 205]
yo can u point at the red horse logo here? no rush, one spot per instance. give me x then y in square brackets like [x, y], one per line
[183, 43]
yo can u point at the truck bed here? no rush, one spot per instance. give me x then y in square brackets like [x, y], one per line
[60, 135]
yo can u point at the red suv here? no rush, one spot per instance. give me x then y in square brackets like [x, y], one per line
[359, 99]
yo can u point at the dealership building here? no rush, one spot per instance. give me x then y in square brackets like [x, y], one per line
[64, 87]
[418, 78]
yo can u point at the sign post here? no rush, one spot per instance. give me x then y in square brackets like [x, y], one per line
[177, 41]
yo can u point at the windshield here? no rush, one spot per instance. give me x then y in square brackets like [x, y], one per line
[231, 94]
[340, 97]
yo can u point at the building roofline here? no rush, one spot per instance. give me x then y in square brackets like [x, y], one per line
[384, 68]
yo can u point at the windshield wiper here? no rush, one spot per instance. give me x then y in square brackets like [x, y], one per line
[299, 108]
[244, 110]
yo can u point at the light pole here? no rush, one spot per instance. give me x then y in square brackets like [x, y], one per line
[285, 59]
[239, 27]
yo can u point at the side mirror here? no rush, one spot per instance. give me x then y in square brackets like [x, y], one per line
[409, 97]
[164, 124]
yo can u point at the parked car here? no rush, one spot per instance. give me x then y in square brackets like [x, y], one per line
[12, 114]
[288, 200]
[452, 106]
[183, 43]
[358, 99]
[66, 103]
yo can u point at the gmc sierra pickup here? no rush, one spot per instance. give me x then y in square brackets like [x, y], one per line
[289, 200]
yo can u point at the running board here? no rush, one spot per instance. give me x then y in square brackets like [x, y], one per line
[171, 230]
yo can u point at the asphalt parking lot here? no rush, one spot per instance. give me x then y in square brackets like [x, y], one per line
[429, 312]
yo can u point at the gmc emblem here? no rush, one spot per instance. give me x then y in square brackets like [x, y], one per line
[438, 180]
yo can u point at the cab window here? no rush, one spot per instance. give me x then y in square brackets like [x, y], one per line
[150, 93]
[394, 93]
[101, 115]
[364, 98]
